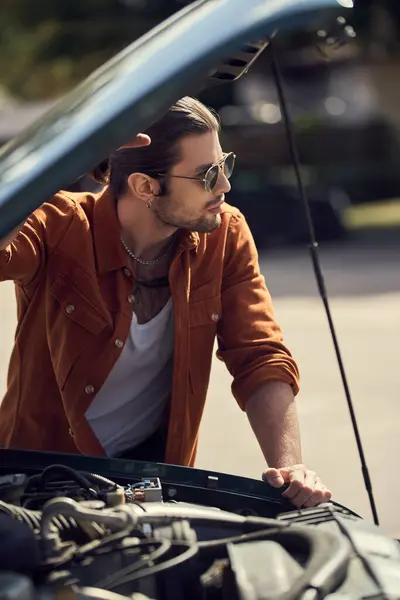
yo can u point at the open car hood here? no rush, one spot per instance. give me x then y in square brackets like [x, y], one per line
[204, 44]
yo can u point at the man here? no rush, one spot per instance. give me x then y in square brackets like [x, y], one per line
[120, 296]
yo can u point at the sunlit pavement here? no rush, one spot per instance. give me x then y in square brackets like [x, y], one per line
[364, 281]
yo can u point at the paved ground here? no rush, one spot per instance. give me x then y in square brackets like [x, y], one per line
[363, 280]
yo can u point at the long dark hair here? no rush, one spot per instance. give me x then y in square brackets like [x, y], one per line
[186, 117]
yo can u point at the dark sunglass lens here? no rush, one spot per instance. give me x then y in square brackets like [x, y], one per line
[212, 177]
[229, 165]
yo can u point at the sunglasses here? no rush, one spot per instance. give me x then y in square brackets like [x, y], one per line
[210, 177]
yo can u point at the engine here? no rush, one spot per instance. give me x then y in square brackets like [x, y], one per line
[74, 535]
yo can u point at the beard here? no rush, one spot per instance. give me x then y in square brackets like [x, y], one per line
[166, 214]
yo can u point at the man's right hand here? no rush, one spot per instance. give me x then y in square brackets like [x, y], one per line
[139, 141]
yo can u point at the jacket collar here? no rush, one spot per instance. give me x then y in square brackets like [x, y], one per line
[188, 240]
[109, 251]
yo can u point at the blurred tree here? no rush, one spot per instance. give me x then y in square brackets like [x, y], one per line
[47, 47]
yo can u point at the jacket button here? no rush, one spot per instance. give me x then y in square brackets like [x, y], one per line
[119, 343]
[215, 317]
[127, 272]
[71, 433]
[69, 309]
[131, 299]
[89, 389]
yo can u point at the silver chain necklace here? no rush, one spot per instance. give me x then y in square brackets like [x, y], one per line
[147, 262]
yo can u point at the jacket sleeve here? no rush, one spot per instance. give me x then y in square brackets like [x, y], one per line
[25, 257]
[250, 341]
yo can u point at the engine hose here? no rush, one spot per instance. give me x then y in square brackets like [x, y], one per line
[99, 479]
[36, 500]
[67, 527]
[109, 491]
[53, 470]
[31, 518]
[114, 520]
[176, 531]
[55, 477]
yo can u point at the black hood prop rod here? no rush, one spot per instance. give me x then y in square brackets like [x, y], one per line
[313, 246]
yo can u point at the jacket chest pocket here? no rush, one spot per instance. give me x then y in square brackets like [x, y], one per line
[73, 324]
[205, 313]
[204, 316]
[76, 307]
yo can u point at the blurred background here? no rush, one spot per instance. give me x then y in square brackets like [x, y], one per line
[343, 88]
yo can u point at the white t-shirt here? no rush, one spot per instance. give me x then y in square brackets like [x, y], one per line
[131, 404]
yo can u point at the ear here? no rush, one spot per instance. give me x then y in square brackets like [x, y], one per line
[143, 186]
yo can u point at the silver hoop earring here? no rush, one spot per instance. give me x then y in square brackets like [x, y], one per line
[149, 203]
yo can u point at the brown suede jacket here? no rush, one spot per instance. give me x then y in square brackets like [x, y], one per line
[73, 289]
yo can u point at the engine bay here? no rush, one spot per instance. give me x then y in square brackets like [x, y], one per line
[69, 533]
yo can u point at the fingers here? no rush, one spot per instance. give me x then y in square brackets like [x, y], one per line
[305, 488]
[139, 141]
[303, 492]
[273, 477]
[142, 139]
[321, 494]
[296, 484]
